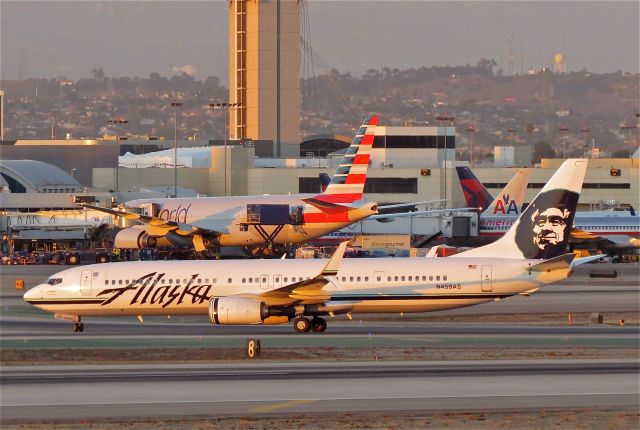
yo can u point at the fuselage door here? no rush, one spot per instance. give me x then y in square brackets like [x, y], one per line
[264, 282]
[486, 279]
[85, 282]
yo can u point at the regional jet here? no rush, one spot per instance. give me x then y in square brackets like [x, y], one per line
[239, 292]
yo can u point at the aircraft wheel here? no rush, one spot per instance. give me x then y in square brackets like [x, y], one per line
[76, 327]
[81, 327]
[318, 325]
[302, 325]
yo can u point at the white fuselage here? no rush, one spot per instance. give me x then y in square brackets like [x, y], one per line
[621, 229]
[361, 285]
[228, 215]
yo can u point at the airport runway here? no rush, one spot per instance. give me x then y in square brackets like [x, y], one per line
[258, 389]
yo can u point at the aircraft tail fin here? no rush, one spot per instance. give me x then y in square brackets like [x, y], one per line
[348, 182]
[325, 180]
[475, 192]
[543, 229]
[510, 199]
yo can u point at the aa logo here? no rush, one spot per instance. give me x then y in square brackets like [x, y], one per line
[505, 206]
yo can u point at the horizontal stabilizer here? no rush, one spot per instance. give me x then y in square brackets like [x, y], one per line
[585, 260]
[323, 205]
[560, 262]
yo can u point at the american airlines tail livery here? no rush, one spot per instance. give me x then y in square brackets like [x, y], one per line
[529, 256]
[254, 222]
[509, 201]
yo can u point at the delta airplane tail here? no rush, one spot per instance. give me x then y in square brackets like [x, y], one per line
[509, 200]
[347, 184]
[475, 193]
[542, 230]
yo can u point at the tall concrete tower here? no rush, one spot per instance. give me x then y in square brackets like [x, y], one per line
[264, 77]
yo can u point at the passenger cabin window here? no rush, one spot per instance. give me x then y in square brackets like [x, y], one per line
[229, 280]
[437, 277]
[444, 278]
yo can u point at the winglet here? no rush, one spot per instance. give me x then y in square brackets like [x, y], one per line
[332, 267]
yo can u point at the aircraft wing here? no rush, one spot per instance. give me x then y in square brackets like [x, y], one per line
[388, 217]
[160, 227]
[308, 291]
[403, 205]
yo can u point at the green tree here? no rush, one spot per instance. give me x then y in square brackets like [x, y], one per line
[541, 150]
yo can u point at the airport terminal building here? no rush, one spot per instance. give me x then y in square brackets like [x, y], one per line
[407, 164]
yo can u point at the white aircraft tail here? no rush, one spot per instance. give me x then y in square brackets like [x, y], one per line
[510, 199]
[542, 230]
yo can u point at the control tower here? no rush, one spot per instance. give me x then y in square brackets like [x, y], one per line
[264, 78]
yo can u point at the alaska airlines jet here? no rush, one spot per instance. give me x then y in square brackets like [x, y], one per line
[238, 292]
[607, 229]
[254, 222]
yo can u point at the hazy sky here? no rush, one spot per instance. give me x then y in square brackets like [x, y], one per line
[58, 38]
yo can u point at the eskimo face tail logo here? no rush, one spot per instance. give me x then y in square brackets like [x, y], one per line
[544, 227]
[506, 206]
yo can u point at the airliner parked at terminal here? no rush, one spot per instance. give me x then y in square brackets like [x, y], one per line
[254, 222]
[608, 229]
[525, 259]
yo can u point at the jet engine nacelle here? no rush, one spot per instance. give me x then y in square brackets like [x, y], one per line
[134, 238]
[237, 310]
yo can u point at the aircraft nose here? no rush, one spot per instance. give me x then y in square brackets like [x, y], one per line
[32, 294]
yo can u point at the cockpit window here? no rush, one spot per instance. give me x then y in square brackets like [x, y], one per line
[54, 281]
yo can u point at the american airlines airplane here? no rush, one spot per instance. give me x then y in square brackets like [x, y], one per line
[237, 292]
[609, 230]
[254, 222]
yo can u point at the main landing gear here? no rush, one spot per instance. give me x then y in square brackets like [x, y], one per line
[316, 325]
[78, 326]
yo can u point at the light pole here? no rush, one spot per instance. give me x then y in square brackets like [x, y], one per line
[471, 129]
[584, 132]
[446, 118]
[175, 106]
[115, 122]
[564, 129]
[226, 107]
[629, 127]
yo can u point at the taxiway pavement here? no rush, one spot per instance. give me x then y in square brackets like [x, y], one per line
[257, 389]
